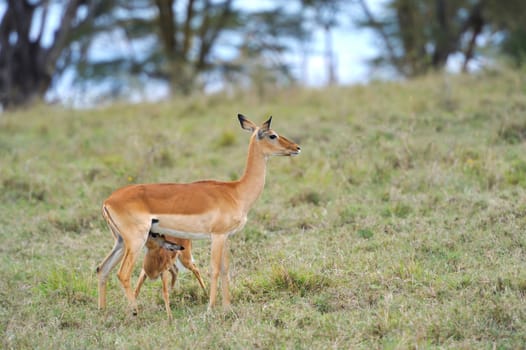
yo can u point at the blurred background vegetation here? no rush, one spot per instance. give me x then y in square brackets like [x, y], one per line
[188, 46]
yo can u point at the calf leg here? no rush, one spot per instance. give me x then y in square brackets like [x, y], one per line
[140, 281]
[165, 276]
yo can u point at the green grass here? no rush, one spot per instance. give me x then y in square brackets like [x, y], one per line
[401, 225]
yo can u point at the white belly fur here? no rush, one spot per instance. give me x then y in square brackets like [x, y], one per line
[193, 226]
[156, 228]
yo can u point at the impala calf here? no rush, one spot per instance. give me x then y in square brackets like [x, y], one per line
[184, 257]
[159, 260]
[197, 210]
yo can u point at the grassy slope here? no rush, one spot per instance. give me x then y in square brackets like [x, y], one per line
[400, 225]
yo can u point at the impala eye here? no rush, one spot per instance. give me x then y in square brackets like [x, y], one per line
[272, 137]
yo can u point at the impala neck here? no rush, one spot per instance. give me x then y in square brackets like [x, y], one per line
[252, 182]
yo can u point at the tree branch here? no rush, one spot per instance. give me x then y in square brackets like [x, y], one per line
[187, 30]
[167, 26]
[61, 35]
[208, 37]
[43, 21]
[378, 27]
[476, 22]
[205, 24]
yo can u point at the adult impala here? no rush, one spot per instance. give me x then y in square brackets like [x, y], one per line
[197, 210]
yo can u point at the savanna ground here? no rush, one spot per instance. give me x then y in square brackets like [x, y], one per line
[401, 224]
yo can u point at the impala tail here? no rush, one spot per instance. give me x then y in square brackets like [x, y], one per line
[116, 234]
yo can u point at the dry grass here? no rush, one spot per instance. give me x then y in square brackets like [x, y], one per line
[400, 225]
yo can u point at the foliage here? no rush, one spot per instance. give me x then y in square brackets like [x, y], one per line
[29, 61]
[117, 46]
[420, 36]
[401, 224]
[140, 49]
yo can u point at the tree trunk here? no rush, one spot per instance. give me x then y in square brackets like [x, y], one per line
[329, 57]
[22, 74]
[27, 67]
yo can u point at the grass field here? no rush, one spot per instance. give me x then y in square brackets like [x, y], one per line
[401, 225]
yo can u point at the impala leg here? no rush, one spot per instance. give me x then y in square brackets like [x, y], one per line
[165, 276]
[225, 280]
[216, 257]
[125, 271]
[197, 275]
[105, 268]
[140, 281]
[186, 259]
[173, 271]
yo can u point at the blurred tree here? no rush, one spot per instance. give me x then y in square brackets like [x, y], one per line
[324, 13]
[188, 43]
[514, 45]
[420, 35]
[508, 19]
[28, 62]
[113, 45]
[262, 42]
[183, 41]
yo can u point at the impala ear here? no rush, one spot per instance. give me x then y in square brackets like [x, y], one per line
[246, 124]
[264, 128]
[171, 246]
[266, 125]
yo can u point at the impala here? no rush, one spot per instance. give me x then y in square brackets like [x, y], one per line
[197, 210]
[160, 261]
